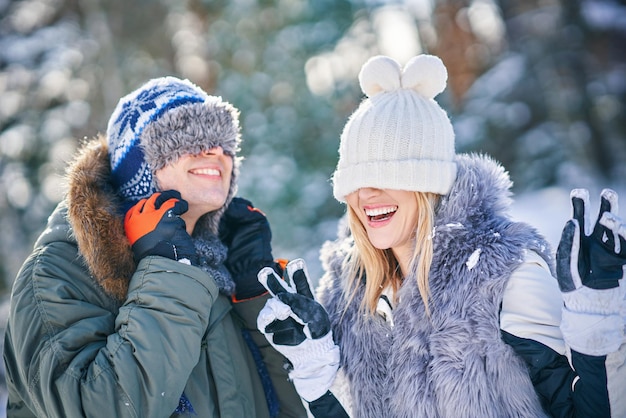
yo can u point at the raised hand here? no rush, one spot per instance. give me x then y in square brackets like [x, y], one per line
[590, 272]
[246, 232]
[154, 227]
[299, 328]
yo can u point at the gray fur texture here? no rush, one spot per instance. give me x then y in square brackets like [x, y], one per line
[191, 129]
[212, 254]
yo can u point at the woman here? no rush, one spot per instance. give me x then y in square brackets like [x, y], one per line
[440, 303]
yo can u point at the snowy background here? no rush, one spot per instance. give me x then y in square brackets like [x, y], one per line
[540, 86]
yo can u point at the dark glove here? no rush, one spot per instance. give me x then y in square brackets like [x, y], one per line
[590, 271]
[154, 227]
[298, 327]
[246, 232]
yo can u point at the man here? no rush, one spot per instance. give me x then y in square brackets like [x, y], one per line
[125, 307]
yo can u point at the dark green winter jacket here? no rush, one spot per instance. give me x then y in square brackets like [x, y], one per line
[91, 334]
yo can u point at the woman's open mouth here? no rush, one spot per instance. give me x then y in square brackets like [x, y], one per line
[381, 213]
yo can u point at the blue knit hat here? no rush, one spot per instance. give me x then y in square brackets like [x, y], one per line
[158, 123]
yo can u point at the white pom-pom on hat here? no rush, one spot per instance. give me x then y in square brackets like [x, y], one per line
[425, 74]
[379, 74]
[399, 138]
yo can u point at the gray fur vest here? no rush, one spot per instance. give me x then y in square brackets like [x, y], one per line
[453, 364]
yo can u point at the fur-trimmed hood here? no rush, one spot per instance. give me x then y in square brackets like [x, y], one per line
[93, 211]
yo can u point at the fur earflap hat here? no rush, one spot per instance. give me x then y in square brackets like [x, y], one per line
[158, 123]
[399, 137]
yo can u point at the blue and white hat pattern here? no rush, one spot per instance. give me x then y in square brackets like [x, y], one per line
[131, 174]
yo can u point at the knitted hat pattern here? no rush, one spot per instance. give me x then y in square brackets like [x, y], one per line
[399, 137]
[158, 123]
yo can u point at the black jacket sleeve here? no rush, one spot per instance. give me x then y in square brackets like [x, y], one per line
[563, 391]
[327, 407]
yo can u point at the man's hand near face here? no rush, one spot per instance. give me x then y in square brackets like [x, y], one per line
[154, 227]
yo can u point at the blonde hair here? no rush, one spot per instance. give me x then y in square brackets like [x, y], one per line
[381, 268]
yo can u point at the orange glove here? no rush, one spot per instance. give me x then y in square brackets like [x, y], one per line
[154, 227]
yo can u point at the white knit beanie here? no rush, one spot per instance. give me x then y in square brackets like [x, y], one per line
[399, 138]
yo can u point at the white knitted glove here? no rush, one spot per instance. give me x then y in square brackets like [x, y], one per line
[299, 328]
[590, 271]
